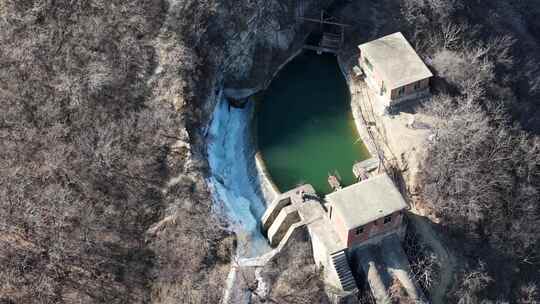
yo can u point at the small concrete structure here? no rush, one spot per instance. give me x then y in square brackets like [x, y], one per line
[302, 207]
[361, 170]
[368, 165]
[381, 265]
[366, 210]
[394, 70]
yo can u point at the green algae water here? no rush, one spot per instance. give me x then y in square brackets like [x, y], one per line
[305, 128]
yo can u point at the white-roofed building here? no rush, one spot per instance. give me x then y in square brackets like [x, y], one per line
[394, 70]
[366, 210]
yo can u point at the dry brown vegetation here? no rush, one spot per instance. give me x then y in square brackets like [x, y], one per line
[82, 152]
[425, 264]
[482, 173]
[398, 294]
[103, 104]
[293, 276]
[89, 144]
[102, 197]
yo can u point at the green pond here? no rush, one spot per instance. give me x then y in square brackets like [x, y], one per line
[305, 128]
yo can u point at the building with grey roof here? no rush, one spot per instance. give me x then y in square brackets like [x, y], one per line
[344, 229]
[394, 70]
[366, 209]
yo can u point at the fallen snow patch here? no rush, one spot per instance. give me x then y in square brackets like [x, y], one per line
[233, 187]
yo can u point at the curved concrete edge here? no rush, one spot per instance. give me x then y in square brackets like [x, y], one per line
[242, 93]
[270, 191]
[282, 65]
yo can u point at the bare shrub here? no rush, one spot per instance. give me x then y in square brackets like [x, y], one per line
[472, 285]
[529, 294]
[482, 176]
[481, 173]
[424, 10]
[88, 150]
[398, 294]
[425, 265]
[469, 70]
[293, 275]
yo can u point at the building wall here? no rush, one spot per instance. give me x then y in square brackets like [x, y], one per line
[323, 260]
[374, 228]
[320, 255]
[372, 74]
[377, 82]
[339, 225]
[410, 89]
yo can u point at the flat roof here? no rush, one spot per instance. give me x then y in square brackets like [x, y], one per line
[395, 60]
[366, 201]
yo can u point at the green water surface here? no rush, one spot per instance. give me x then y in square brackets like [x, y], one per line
[305, 126]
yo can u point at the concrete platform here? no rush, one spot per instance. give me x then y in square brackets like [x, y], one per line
[304, 202]
[291, 197]
[381, 264]
[317, 222]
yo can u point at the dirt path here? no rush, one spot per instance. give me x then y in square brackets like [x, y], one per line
[448, 261]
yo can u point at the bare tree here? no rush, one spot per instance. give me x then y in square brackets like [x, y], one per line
[473, 182]
[87, 155]
[293, 275]
[471, 285]
[529, 294]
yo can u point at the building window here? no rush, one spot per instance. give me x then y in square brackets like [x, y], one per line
[368, 64]
[401, 91]
[387, 219]
[359, 230]
[417, 85]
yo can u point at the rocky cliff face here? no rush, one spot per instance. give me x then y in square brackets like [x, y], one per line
[258, 37]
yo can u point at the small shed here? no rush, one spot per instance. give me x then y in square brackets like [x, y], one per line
[394, 69]
[366, 209]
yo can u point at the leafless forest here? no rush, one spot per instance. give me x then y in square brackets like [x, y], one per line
[89, 145]
[482, 173]
[102, 196]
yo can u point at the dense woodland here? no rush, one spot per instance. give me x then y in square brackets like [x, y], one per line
[102, 192]
[91, 145]
[482, 172]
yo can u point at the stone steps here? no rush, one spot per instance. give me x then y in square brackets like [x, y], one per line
[287, 217]
[273, 211]
[341, 264]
